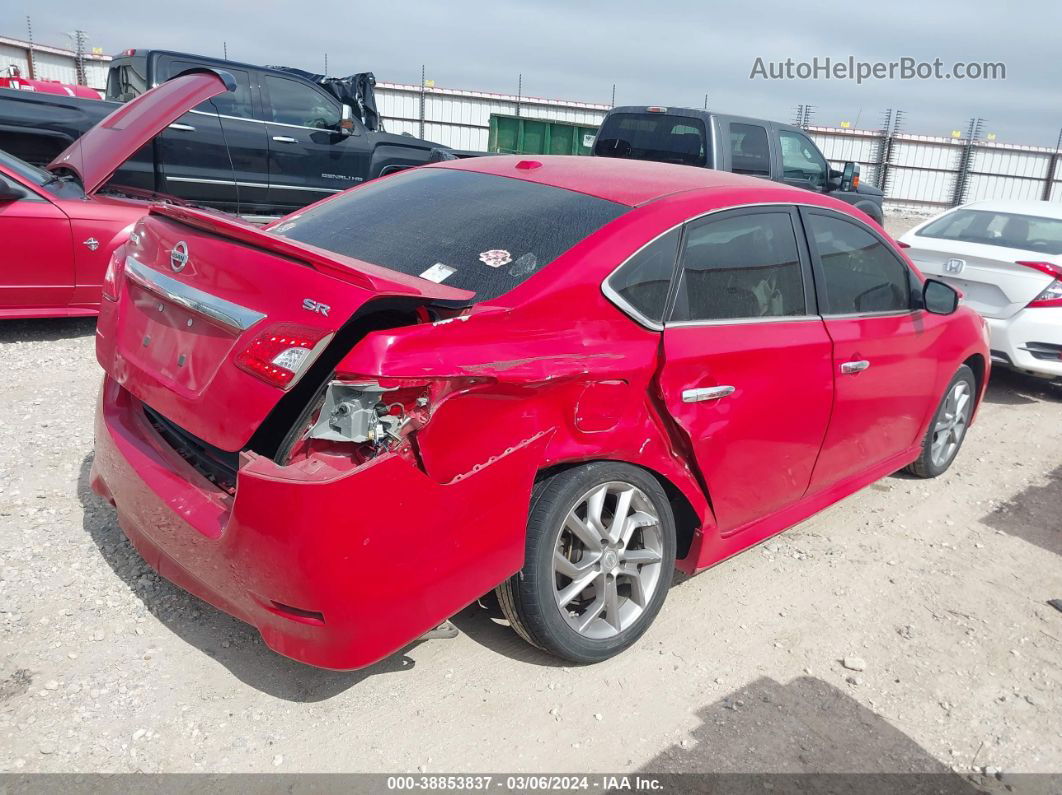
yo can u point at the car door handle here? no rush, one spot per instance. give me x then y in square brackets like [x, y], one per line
[850, 368]
[184, 127]
[284, 139]
[706, 393]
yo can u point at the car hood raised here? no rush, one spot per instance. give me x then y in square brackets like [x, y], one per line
[101, 151]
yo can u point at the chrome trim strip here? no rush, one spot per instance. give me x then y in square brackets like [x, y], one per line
[236, 317]
[251, 184]
[743, 321]
[262, 121]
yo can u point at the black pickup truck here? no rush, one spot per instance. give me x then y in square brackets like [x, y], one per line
[742, 145]
[282, 139]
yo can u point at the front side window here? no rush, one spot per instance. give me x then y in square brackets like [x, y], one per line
[861, 274]
[477, 232]
[644, 280]
[744, 266]
[990, 228]
[801, 160]
[653, 136]
[295, 103]
[749, 153]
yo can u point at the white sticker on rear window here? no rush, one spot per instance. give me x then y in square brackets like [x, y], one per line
[438, 273]
[496, 257]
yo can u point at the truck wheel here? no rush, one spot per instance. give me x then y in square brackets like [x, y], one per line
[600, 556]
[948, 429]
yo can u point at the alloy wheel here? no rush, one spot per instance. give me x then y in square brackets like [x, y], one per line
[607, 560]
[951, 424]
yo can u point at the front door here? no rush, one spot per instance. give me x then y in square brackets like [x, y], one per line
[309, 158]
[883, 347]
[803, 165]
[747, 373]
[36, 252]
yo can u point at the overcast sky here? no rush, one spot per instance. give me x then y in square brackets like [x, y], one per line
[666, 52]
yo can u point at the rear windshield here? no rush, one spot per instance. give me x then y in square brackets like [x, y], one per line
[653, 136]
[473, 231]
[1027, 232]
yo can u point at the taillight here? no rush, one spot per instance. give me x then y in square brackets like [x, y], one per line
[1052, 294]
[113, 275]
[901, 244]
[281, 353]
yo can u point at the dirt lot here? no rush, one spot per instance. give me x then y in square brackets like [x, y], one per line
[939, 587]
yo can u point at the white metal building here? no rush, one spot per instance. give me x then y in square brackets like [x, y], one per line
[52, 63]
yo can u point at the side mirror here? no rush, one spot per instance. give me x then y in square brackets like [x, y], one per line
[346, 121]
[850, 176]
[9, 192]
[939, 298]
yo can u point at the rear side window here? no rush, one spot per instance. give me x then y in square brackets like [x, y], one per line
[235, 103]
[749, 153]
[1026, 232]
[861, 274]
[477, 232]
[744, 266]
[653, 136]
[127, 81]
[645, 278]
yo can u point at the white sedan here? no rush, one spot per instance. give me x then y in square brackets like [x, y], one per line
[1006, 258]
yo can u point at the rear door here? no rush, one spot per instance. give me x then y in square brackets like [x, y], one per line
[747, 371]
[215, 154]
[747, 149]
[36, 252]
[309, 158]
[884, 366]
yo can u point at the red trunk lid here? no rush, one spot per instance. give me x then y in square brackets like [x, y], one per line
[182, 318]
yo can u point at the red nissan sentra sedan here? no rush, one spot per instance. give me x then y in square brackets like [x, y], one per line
[561, 378]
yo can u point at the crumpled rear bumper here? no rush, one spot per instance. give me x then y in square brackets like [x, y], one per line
[336, 572]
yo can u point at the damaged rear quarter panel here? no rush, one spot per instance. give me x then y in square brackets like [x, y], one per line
[586, 381]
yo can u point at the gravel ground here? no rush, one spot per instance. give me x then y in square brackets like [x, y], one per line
[904, 629]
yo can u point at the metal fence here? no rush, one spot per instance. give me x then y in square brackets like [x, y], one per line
[917, 172]
[461, 119]
[924, 173]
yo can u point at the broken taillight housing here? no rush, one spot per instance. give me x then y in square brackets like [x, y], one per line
[1052, 294]
[282, 353]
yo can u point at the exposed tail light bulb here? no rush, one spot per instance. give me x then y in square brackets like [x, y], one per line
[282, 353]
[1052, 294]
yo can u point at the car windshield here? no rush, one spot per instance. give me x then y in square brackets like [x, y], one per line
[991, 228]
[32, 174]
[477, 232]
[653, 136]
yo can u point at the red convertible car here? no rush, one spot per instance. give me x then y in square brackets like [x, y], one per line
[561, 378]
[58, 230]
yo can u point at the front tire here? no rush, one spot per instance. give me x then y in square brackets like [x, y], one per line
[600, 557]
[948, 428]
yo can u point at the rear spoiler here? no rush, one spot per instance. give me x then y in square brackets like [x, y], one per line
[354, 271]
[356, 90]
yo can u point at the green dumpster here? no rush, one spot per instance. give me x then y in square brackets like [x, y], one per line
[519, 135]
